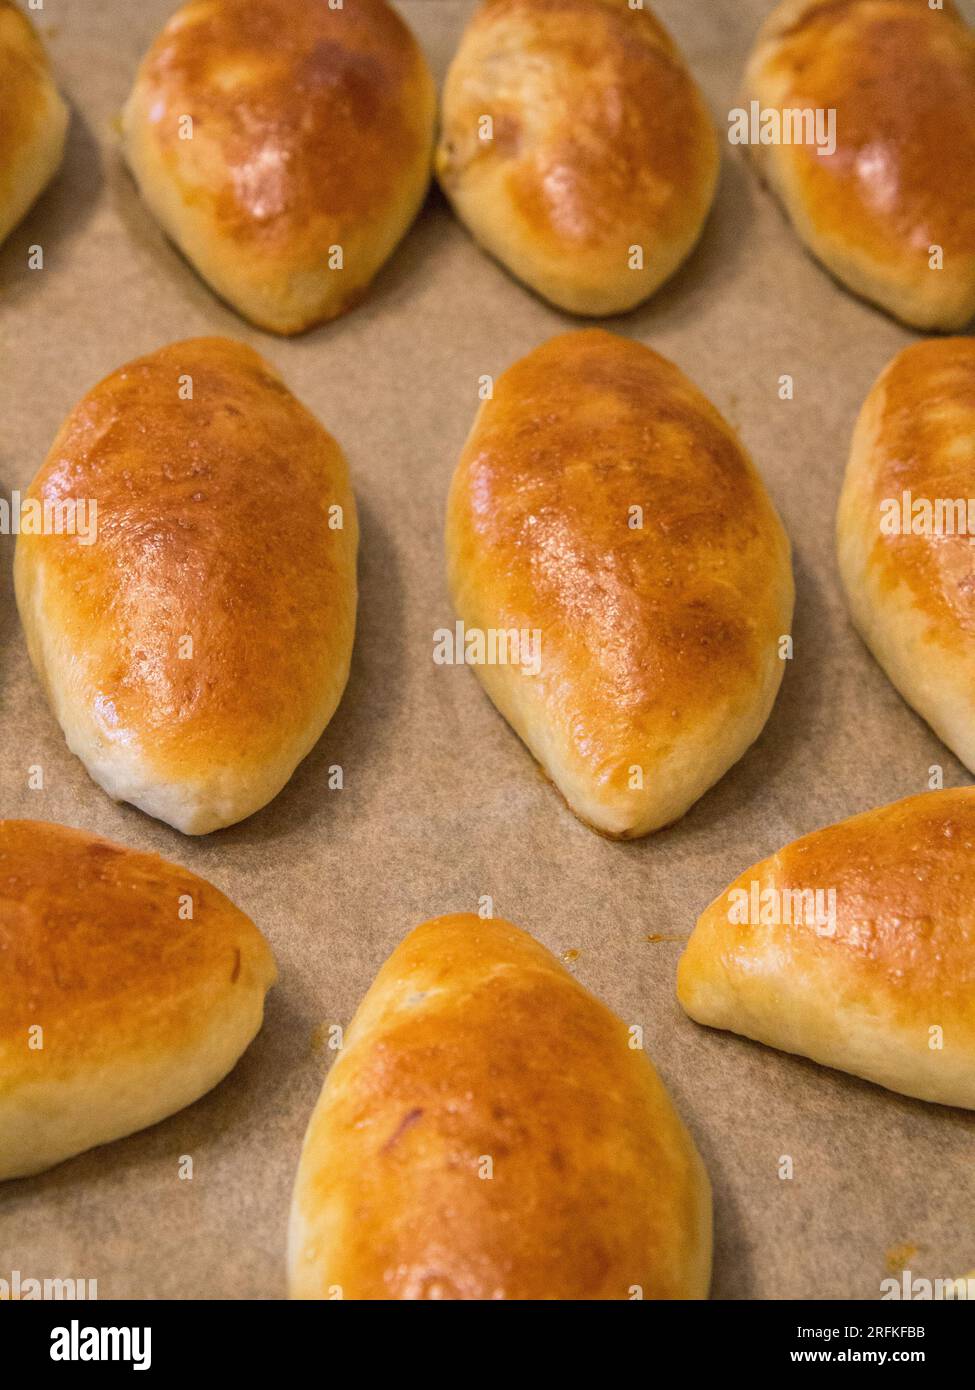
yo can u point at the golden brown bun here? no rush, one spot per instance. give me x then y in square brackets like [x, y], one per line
[474, 1051]
[145, 982]
[912, 596]
[195, 651]
[659, 646]
[601, 142]
[901, 79]
[33, 118]
[898, 966]
[312, 129]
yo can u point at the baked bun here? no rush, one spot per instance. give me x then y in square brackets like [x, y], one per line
[906, 528]
[490, 1130]
[897, 190]
[308, 154]
[196, 642]
[129, 988]
[600, 164]
[854, 946]
[33, 118]
[602, 503]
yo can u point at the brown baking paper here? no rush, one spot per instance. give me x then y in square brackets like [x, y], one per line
[441, 803]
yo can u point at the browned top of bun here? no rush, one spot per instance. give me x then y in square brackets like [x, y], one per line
[309, 107]
[92, 943]
[213, 524]
[901, 77]
[904, 877]
[923, 442]
[475, 1042]
[626, 134]
[582, 429]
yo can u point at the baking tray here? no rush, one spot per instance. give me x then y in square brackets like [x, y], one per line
[441, 803]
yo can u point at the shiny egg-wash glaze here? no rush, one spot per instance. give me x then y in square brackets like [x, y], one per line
[195, 651]
[142, 1006]
[901, 183]
[602, 148]
[312, 134]
[911, 591]
[660, 643]
[867, 991]
[474, 1045]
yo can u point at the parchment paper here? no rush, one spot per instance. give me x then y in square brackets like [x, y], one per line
[442, 804]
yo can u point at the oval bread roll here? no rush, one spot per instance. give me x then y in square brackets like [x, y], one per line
[891, 211]
[489, 1132]
[195, 641]
[595, 177]
[129, 988]
[905, 532]
[285, 148]
[33, 118]
[603, 508]
[854, 946]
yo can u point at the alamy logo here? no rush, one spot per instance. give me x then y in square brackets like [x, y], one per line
[792, 125]
[65, 516]
[77, 1343]
[495, 646]
[908, 515]
[756, 906]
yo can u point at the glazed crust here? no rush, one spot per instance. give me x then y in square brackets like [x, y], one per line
[214, 528]
[312, 128]
[33, 118]
[911, 595]
[142, 1008]
[601, 142]
[900, 964]
[474, 1044]
[901, 78]
[660, 645]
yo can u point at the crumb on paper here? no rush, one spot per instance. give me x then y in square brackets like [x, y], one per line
[898, 1257]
